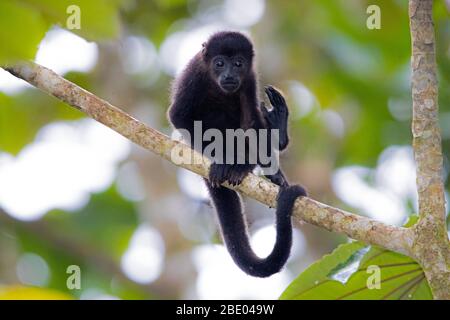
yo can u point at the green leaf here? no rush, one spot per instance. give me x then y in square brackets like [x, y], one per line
[21, 30]
[400, 277]
[315, 275]
[412, 220]
[31, 293]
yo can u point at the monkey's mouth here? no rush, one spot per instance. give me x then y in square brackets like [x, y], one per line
[229, 86]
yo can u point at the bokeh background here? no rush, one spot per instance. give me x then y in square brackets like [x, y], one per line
[73, 192]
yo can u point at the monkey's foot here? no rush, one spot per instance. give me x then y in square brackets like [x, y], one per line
[234, 174]
[237, 174]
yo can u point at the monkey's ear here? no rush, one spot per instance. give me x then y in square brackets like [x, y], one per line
[204, 47]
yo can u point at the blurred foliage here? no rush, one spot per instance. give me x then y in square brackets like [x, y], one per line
[352, 69]
[23, 23]
[29, 29]
[17, 116]
[100, 18]
[359, 74]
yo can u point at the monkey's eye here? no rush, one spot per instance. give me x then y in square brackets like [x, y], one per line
[220, 63]
[238, 64]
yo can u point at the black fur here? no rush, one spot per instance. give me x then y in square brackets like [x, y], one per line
[219, 88]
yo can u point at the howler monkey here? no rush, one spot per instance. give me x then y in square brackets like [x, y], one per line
[219, 88]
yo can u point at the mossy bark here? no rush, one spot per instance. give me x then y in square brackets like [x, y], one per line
[431, 245]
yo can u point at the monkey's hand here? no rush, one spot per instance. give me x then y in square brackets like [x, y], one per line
[234, 174]
[277, 117]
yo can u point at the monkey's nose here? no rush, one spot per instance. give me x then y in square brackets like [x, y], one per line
[229, 78]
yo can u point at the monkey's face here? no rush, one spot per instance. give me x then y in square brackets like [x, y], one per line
[228, 72]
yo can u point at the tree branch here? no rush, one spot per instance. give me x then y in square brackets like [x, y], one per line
[431, 246]
[355, 226]
[425, 123]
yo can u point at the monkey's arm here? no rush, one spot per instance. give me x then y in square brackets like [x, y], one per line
[181, 112]
[250, 116]
[184, 102]
[277, 118]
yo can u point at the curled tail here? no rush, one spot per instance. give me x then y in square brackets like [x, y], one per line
[234, 230]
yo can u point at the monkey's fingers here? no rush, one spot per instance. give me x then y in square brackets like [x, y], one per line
[264, 110]
[217, 174]
[269, 94]
[236, 177]
[263, 106]
[275, 97]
